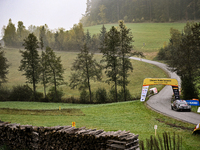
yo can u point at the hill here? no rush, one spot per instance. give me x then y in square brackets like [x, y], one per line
[148, 37]
[141, 71]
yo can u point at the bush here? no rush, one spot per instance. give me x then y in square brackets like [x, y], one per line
[4, 94]
[21, 93]
[52, 95]
[111, 95]
[84, 96]
[121, 95]
[101, 95]
[38, 96]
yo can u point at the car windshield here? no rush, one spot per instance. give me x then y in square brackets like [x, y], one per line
[181, 102]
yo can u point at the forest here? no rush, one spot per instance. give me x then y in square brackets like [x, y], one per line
[102, 12]
[59, 39]
[110, 11]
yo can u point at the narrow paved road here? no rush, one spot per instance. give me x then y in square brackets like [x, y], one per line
[161, 102]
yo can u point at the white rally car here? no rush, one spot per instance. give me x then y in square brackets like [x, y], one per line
[180, 105]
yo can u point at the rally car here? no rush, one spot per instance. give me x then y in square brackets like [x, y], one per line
[180, 105]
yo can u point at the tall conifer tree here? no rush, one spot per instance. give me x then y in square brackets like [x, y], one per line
[30, 62]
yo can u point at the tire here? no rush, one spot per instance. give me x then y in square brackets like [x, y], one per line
[172, 108]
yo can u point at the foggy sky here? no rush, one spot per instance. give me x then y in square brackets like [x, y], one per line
[54, 13]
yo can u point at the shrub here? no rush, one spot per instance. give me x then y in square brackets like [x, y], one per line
[21, 93]
[38, 96]
[4, 94]
[84, 96]
[111, 96]
[71, 100]
[121, 95]
[101, 95]
[52, 95]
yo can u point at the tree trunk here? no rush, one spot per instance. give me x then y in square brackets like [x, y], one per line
[34, 86]
[116, 90]
[124, 79]
[88, 79]
[89, 88]
[115, 80]
[55, 86]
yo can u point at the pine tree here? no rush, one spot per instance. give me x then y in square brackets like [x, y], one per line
[125, 49]
[54, 70]
[10, 34]
[30, 62]
[3, 67]
[110, 57]
[43, 62]
[85, 68]
[126, 40]
[102, 38]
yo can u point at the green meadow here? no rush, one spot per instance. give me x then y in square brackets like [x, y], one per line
[133, 116]
[140, 72]
[148, 37]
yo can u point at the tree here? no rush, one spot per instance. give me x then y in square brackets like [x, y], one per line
[3, 67]
[110, 57]
[43, 66]
[21, 33]
[87, 12]
[54, 70]
[124, 53]
[102, 37]
[102, 14]
[184, 57]
[88, 38]
[43, 31]
[10, 34]
[85, 68]
[30, 62]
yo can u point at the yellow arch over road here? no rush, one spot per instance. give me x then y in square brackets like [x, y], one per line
[164, 81]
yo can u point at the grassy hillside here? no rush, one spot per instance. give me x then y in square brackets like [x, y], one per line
[130, 116]
[141, 71]
[148, 37]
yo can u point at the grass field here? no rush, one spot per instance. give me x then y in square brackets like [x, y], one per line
[140, 72]
[148, 37]
[130, 116]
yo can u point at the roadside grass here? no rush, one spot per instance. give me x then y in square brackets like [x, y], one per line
[195, 109]
[131, 116]
[141, 71]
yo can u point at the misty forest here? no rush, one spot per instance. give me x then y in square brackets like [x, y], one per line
[102, 12]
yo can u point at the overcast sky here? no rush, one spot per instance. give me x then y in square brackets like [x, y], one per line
[54, 13]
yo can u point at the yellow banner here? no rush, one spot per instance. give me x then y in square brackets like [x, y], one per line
[164, 81]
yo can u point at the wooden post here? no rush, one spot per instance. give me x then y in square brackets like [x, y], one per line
[155, 127]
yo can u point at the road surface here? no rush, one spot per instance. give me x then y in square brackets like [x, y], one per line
[161, 102]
